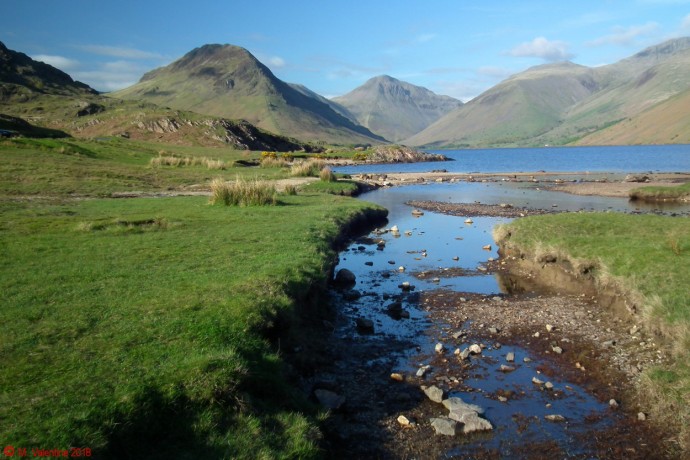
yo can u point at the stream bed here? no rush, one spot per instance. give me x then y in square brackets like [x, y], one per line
[432, 290]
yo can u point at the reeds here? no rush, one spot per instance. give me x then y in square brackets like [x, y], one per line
[242, 192]
[309, 168]
[175, 161]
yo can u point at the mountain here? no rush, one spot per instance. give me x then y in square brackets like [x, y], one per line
[38, 100]
[228, 81]
[561, 103]
[395, 109]
[666, 122]
[519, 108]
[22, 78]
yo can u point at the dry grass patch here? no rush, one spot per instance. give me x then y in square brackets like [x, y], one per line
[309, 168]
[242, 192]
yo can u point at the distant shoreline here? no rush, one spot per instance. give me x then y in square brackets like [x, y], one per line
[576, 183]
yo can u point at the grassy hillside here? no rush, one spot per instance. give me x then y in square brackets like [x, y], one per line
[146, 327]
[227, 81]
[664, 123]
[514, 111]
[561, 103]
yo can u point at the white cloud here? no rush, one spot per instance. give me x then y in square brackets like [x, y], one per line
[276, 62]
[542, 48]
[625, 35]
[685, 24]
[120, 52]
[111, 76]
[60, 62]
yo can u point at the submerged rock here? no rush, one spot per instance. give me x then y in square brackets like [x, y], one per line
[329, 399]
[345, 278]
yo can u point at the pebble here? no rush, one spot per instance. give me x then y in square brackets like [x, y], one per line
[423, 370]
[557, 350]
[641, 416]
[554, 418]
[510, 357]
[404, 421]
[613, 403]
[505, 368]
[550, 328]
[475, 349]
[439, 348]
[397, 377]
[536, 381]
[548, 386]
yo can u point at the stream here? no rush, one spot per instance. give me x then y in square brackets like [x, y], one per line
[429, 291]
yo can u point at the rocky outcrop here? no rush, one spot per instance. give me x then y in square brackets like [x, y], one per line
[401, 154]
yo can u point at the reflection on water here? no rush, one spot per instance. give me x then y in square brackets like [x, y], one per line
[437, 251]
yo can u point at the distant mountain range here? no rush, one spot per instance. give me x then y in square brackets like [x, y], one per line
[564, 103]
[639, 100]
[395, 109]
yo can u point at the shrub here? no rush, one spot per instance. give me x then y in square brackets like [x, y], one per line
[359, 156]
[242, 192]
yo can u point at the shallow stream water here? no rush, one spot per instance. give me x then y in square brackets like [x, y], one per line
[453, 255]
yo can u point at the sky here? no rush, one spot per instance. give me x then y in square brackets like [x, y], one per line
[453, 47]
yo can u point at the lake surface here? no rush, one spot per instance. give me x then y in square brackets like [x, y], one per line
[617, 159]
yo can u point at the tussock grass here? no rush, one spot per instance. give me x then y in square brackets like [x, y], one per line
[176, 161]
[243, 192]
[326, 175]
[648, 258]
[309, 168]
[274, 162]
[658, 193]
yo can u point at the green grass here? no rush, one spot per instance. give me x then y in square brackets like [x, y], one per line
[659, 193]
[49, 167]
[153, 327]
[339, 187]
[649, 257]
[139, 326]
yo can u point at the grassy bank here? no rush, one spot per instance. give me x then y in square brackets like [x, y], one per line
[647, 257]
[658, 193]
[153, 327]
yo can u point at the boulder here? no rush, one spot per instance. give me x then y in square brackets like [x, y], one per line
[456, 404]
[329, 399]
[434, 393]
[444, 426]
[364, 325]
[345, 278]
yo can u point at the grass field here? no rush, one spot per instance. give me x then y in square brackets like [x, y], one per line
[152, 327]
[647, 256]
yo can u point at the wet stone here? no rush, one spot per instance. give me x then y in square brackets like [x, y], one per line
[434, 393]
[444, 426]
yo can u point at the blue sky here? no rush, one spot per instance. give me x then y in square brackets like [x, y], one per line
[454, 47]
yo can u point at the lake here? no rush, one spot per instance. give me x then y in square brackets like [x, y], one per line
[616, 159]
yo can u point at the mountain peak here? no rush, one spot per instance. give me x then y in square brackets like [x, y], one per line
[19, 69]
[393, 108]
[228, 81]
[667, 48]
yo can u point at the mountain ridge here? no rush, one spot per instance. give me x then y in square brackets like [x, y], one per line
[560, 103]
[228, 81]
[393, 108]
